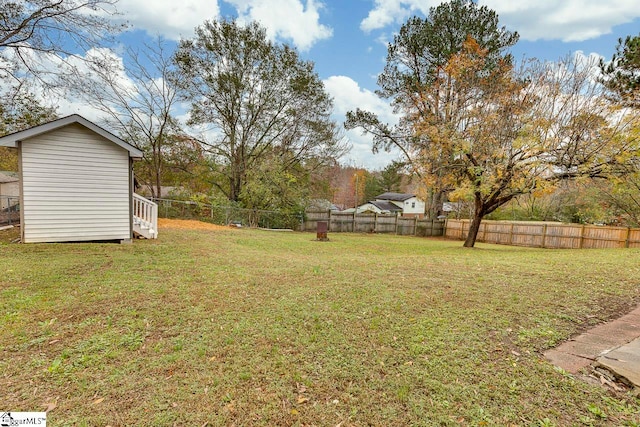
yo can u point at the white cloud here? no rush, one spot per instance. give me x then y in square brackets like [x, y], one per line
[387, 12]
[347, 96]
[286, 19]
[168, 18]
[568, 20]
[297, 21]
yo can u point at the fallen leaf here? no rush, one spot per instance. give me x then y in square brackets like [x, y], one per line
[174, 404]
[54, 341]
[212, 358]
[302, 399]
[95, 402]
[49, 406]
[294, 412]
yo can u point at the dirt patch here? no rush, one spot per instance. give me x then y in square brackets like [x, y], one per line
[9, 235]
[189, 224]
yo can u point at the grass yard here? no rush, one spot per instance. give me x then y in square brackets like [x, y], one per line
[257, 328]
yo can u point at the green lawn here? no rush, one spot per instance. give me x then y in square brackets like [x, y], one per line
[257, 328]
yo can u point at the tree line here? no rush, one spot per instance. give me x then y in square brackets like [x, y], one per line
[475, 125]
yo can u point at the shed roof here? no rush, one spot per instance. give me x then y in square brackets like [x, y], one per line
[396, 197]
[12, 139]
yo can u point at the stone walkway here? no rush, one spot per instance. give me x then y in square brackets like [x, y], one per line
[614, 345]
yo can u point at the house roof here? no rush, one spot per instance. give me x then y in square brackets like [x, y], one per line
[6, 177]
[385, 206]
[396, 197]
[12, 139]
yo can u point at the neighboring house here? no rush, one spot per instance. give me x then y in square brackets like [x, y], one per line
[379, 207]
[76, 184]
[408, 204]
[9, 189]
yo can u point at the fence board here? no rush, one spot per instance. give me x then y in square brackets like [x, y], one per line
[633, 239]
[378, 223]
[547, 234]
[406, 226]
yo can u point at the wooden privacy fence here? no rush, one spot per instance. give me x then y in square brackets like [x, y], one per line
[547, 234]
[369, 222]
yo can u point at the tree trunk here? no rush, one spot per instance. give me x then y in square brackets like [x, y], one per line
[435, 207]
[478, 214]
[158, 185]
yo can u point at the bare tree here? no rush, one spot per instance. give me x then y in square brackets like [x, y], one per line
[257, 99]
[30, 29]
[137, 102]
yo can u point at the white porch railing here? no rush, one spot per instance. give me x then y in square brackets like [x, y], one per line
[145, 217]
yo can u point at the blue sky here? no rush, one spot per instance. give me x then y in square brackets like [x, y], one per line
[346, 39]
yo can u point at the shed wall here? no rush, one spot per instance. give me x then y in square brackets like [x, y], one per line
[75, 187]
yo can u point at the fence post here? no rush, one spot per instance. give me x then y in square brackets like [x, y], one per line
[627, 237]
[581, 237]
[511, 234]
[329, 221]
[396, 225]
[544, 234]
[415, 225]
[354, 220]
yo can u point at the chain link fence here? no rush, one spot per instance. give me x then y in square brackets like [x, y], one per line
[228, 215]
[9, 210]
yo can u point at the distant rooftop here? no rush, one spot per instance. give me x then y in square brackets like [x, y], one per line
[396, 197]
[385, 206]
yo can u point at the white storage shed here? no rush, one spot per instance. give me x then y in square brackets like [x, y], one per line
[76, 182]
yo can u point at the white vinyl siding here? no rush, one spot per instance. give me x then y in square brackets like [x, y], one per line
[413, 206]
[75, 187]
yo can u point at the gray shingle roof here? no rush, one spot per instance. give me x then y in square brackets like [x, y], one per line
[386, 206]
[396, 197]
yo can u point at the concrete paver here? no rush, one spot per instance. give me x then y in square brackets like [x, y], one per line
[632, 317]
[569, 362]
[607, 342]
[618, 328]
[613, 345]
[624, 361]
[587, 348]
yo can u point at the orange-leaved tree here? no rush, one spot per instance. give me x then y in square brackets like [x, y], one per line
[518, 131]
[480, 151]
